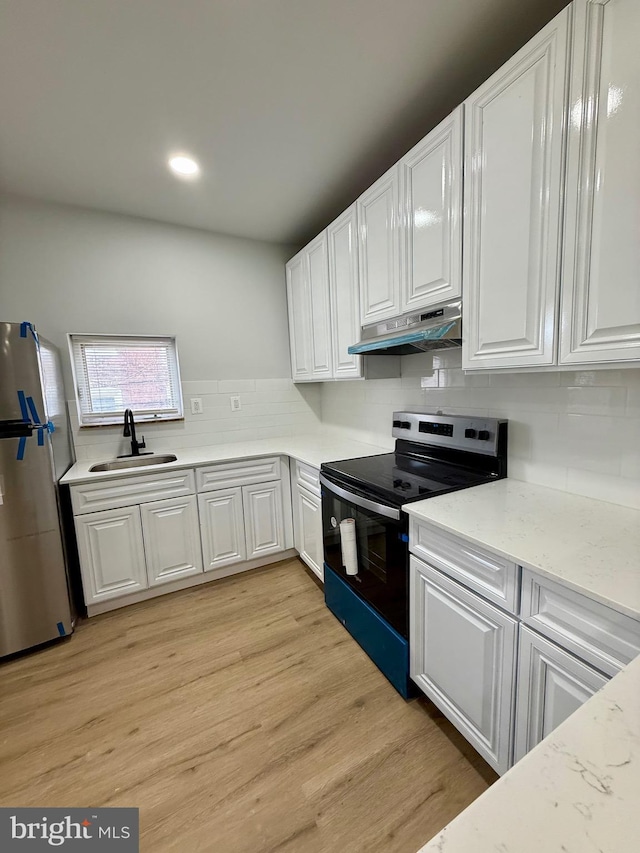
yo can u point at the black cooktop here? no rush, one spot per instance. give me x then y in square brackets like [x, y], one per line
[399, 478]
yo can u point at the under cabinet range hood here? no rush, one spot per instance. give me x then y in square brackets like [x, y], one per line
[440, 328]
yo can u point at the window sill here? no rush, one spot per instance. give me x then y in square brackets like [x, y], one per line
[139, 423]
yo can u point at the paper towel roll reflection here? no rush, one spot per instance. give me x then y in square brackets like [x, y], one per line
[348, 544]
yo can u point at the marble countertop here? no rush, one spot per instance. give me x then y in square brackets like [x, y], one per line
[585, 544]
[312, 449]
[578, 791]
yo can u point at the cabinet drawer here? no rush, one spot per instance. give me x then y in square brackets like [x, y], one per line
[594, 632]
[127, 491]
[308, 477]
[493, 577]
[240, 472]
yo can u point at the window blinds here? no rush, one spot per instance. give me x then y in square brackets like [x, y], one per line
[114, 373]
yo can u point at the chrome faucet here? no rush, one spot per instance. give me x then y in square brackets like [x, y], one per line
[130, 430]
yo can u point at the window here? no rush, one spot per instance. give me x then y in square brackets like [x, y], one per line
[113, 373]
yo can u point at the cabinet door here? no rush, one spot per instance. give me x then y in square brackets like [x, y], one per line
[379, 249]
[514, 127]
[171, 539]
[344, 293]
[431, 193]
[317, 265]
[552, 684]
[222, 528]
[309, 532]
[299, 307]
[264, 521]
[601, 290]
[111, 553]
[462, 655]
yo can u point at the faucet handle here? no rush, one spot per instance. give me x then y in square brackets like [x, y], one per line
[142, 443]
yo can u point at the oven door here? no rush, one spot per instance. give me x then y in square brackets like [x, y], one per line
[381, 546]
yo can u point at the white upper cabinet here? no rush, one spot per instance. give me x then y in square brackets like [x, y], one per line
[317, 271]
[342, 237]
[379, 248]
[601, 282]
[514, 127]
[431, 193]
[299, 304]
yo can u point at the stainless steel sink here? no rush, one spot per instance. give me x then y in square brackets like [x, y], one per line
[134, 462]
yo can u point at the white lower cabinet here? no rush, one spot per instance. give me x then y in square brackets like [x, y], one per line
[462, 655]
[222, 528]
[264, 519]
[552, 684]
[171, 539]
[241, 524]
[111, 553]
[308, 529]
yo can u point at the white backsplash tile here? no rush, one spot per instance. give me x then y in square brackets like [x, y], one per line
[577, 430]
[270, 408]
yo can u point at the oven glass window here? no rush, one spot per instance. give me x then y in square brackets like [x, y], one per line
[382, 556]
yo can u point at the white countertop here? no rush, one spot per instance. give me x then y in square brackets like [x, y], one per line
[585, 544]
[312, 449]
[578, 791]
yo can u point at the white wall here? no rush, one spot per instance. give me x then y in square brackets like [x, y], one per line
[73, 270]
[578, 431]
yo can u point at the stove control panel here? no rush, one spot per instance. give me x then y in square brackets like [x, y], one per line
[458, 432]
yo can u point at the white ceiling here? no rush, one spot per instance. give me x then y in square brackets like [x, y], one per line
[292, 107]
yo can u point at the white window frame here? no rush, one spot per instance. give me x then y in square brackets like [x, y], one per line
[93, 419]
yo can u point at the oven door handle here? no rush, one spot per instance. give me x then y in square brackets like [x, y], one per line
[357, 500]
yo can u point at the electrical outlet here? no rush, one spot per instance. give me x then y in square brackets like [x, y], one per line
[235, 404]
[196, 406]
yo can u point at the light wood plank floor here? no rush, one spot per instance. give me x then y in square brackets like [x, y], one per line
[238, 716]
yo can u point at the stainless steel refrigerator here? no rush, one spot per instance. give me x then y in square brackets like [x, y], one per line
[34, 453]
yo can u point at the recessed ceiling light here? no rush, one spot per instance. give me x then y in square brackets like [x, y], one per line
[183, 166]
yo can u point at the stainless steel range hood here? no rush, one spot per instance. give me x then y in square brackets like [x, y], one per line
[440, 328]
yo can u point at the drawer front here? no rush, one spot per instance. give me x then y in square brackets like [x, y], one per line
[241, 472]
[594, 632]
[308, 477]
[493, 577]
[127, 491]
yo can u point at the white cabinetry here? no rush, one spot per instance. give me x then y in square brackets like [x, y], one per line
[431, 193]
[342, 238]
[299, 306]
[322, 295]
[244, 512]
[552, 684]
[317, 265]
[379, 248]
[111, 553]
[307, 516]
[136, 532]
[222, 528]
[410, 225]
[462, 655]
[171, 539]
[601, 290]
[309, 314]
[514, 128]
[264, 523]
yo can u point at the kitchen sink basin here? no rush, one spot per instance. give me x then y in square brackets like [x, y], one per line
[134, 462]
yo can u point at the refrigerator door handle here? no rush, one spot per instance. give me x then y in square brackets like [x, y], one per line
[15, 429]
